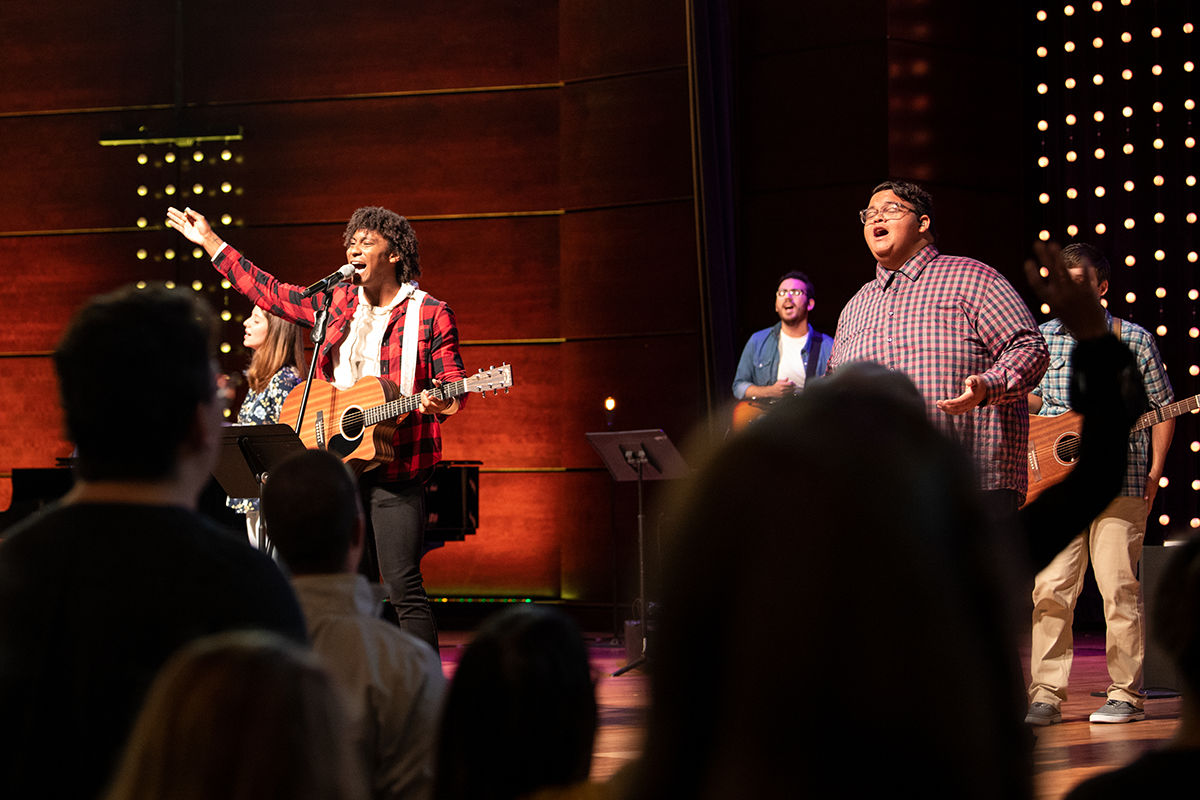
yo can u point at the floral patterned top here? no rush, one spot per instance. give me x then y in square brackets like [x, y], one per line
[262, 408]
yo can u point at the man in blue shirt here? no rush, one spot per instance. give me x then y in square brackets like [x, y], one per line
[779, 360]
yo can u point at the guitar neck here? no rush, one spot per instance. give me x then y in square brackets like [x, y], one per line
[1167, 412]
[405, 405]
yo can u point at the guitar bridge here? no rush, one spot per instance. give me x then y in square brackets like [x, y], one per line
[1035, 471]
[319, 430]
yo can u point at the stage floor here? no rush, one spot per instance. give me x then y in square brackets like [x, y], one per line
[1065, 754]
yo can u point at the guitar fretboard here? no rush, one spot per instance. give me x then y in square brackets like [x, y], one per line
[1167, 412]
[405, 405]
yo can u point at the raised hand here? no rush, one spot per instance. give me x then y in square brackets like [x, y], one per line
[1072, 301]
[194, 227]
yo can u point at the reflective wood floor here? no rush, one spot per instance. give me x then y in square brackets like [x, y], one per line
[1065, 754]
[1069, 753]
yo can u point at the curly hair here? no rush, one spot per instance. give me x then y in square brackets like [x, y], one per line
[399, 234]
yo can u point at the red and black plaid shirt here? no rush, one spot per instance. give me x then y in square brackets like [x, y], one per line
[418, 438]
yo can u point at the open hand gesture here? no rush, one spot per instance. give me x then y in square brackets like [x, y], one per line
[1072, 301]
[194, 227]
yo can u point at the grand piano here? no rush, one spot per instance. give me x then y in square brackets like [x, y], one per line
[451, 499]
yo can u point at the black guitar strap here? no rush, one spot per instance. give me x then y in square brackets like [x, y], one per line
[814, 354]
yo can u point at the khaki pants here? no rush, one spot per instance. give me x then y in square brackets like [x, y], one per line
[1115, 544]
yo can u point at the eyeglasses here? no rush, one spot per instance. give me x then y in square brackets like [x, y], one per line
[791, 292]
[884, 212]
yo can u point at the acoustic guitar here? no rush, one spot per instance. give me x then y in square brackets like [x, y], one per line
[357, 423]
[746, 411]
[1054, 442]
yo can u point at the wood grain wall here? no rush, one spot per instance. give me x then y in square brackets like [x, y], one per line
[540, 148]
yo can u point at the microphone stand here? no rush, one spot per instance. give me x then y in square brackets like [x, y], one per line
[318, 338]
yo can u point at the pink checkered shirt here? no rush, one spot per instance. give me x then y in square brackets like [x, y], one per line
[939, 319]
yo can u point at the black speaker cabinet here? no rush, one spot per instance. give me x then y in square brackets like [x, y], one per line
[452, 501]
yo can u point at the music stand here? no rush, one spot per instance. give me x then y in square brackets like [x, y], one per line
[639, 455]
[247, 455]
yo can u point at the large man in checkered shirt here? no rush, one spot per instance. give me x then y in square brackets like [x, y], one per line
[366, 332]
[957, 328]
[1115, 537]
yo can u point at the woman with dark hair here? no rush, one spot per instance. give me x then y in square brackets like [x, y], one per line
[240, 716]
[520, 716]
[275, 369]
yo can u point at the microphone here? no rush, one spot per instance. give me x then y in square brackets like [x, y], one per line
[330, 280]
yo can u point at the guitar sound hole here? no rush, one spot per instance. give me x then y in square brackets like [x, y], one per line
[352, 423]
[1066, 448]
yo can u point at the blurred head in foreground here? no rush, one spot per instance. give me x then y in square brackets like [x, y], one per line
[521, 712]
[236, 716]
[831, 621]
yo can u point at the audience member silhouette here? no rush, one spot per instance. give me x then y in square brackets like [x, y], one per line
[393, 681]
[521, 713]
[98, 590]
[241, 716]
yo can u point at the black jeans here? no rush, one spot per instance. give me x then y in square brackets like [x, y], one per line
[395, 543]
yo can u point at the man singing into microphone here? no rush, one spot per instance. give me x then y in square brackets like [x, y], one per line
[366, 337]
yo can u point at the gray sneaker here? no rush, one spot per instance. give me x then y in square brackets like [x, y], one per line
[1118, 711]
[1042, 714]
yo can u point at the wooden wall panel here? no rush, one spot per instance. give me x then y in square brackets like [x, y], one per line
[58, 177]
[31, 425]
[626, 140]
[501, 276]
[613, 37]
[516, 550]
[309, 48]
[60, 54]
[61, 272]
[599, 539]
[630, 270]
[445, 154]
[517, 430]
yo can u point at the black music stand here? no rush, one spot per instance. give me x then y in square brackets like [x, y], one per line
[248, 453]
[637, 456]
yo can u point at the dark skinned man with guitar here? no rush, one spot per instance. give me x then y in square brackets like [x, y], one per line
[1114, 539]
[367, 331]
